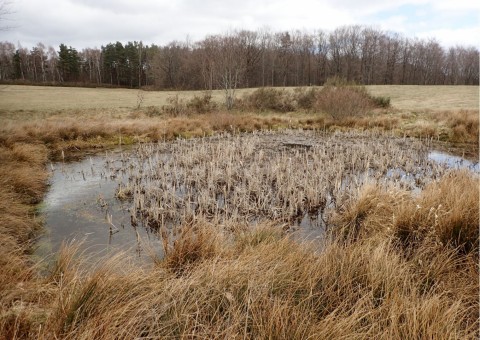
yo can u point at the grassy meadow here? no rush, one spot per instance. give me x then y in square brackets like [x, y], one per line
[45, 99]
[395, 264]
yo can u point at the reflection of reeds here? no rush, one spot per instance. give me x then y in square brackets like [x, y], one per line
[265, 176]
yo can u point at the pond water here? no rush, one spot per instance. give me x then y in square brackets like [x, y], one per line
[81, 204]
[454, 162]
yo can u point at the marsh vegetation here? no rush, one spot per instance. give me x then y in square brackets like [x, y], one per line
[397, 257]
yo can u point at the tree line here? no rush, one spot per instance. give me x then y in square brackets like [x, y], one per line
[248, 59]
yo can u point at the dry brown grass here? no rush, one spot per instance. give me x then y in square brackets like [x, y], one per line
[261, 284]
[22, 183]
[446, 213]
[463, 125]
[418, 279]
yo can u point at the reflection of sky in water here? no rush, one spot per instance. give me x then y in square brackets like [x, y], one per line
[454, 162]
[73, 181]
[80, 196]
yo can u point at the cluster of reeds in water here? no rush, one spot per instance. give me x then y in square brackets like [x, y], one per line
[248, 178]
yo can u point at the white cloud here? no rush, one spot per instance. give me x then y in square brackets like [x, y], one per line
[448, 37]
[90, 23]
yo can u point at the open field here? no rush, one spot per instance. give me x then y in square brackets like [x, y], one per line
[42, 99]
[399, 259]
[78, 118]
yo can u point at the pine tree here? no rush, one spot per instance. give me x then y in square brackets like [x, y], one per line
[68, 63]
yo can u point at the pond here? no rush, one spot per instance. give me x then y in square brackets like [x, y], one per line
[81, 206]
[125, 201]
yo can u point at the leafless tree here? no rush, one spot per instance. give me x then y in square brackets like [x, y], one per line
[225, 63]
[367, 55]
[7, 52]
[231, 66]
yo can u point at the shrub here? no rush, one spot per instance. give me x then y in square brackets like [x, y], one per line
[201, 104]
[269, 99]
[305, 98]
[382, 102]
[152, 111]
[175, 107]
[341, 99]
[342, 102]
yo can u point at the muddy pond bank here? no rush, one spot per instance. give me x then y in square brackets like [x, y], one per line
[133, 200]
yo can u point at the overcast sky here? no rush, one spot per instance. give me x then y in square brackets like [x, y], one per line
[93, 23]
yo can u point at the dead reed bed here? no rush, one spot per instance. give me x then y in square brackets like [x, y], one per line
[267, 176]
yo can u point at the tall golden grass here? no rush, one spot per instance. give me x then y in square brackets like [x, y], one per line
[404, 266]
[259, 283]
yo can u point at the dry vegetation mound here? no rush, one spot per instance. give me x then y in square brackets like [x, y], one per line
[338, 98]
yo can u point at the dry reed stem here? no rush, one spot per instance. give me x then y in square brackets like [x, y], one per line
[264, 176]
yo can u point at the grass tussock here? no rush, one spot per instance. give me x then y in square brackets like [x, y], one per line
[445, 213]
[463, 125]
[195, 244]
[259, 283]
[22, 184]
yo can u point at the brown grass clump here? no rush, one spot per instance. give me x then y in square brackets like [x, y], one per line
[370, 213]
[194, 244]
[446, 212]
[16, 174]
[22, 183]
[464, 125]
[259, 284]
